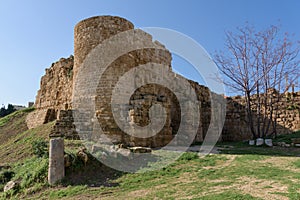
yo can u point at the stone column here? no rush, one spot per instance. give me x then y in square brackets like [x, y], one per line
[56, 169]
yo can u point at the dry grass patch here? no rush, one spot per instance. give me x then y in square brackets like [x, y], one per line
[265, 189]
[282, 163]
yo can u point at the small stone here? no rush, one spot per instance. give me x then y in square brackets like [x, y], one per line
[11, 185]
[67, 160]
[140, 150]
[281, 144]
[83, 156]
[125, 152]
[259, 141]
[296, 140]
[268, 142]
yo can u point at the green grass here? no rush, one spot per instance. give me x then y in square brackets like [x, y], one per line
[4, 120]
[189, 177]
[31, 176]
[229, 195]
[261, 151]
[16, 152]
[211, 177]
[297, 163]
[67, 192]
[20, 147]
[242, 148]
[287, 138]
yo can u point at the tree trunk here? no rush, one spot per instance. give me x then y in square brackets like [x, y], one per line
[250, 116]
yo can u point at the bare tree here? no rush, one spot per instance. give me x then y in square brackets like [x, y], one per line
[255, 64]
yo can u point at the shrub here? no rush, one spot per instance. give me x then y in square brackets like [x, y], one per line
[6, 111]
[40, 148]
[189, 156]
[31, 172]
[6, 176]
[31, 175]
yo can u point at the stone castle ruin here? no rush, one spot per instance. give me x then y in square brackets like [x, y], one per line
[54, 100]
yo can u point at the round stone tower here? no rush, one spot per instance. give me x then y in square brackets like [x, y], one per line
[93, 31]
[90, 32]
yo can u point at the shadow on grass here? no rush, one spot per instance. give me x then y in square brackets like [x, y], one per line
[93, 174]
[261, 150]
[96, 174]
[241, 148]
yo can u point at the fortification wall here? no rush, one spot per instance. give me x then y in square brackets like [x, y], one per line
[56, 86]
[55, 93]
[139, 105]
[54, 99]
[284, 110]
[39, 117]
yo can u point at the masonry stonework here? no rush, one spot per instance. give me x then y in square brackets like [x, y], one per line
[285, 113]
[56, 86]
[55, 93]
[54, 99]
[90, 32]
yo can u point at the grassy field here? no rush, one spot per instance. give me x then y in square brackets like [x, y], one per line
[238, 172]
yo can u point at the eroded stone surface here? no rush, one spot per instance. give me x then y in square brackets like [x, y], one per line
[54, 99]
[56, 169]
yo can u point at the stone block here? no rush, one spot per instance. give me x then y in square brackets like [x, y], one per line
[56, 170]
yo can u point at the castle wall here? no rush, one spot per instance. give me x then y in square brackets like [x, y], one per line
[39, 117]
[286, 113]
[139, 104]
[54, 99]
[55, 93]
[56, 86]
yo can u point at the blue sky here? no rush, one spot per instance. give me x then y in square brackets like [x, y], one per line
[34, 34]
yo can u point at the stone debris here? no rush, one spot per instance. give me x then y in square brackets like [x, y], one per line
[259, 141]
[104, 151]
[269, 142]
[67, 160]
[283, 144]
[83, 155]
[140, 150]
[296, 140]
[11, 185]
[125, 153]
